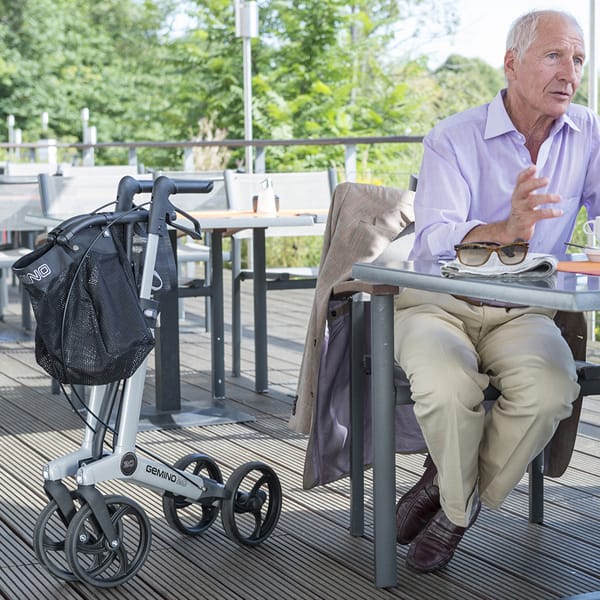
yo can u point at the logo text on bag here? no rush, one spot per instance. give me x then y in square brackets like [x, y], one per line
[39, 273]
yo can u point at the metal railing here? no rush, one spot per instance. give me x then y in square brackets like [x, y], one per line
[47, 148]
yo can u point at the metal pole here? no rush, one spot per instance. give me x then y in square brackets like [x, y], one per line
[247, 55]
[246, 27]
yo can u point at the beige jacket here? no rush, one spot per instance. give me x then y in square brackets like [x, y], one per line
[363, 220]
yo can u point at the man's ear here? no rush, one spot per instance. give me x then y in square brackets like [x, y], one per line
[510, 62]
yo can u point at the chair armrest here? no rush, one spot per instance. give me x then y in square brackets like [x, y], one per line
[356, 286]
[588, 375]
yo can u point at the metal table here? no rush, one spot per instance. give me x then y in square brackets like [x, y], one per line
[562, 291]
[220, 224]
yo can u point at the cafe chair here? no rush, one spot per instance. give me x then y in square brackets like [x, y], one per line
[81, 190]
[295, 190]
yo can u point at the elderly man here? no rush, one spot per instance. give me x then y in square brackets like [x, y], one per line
[516, 169]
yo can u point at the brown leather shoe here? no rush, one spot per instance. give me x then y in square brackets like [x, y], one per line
[434, 547]
[418, 506]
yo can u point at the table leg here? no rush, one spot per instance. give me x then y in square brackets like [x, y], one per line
[217, 331]
[261, 383]
[384, 463]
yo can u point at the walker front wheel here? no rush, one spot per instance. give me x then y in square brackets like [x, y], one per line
[253, 505]
[49, 536]
[91, 555]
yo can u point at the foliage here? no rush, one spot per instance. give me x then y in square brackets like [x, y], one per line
[320, 69]
[464, 82]
[70, 54]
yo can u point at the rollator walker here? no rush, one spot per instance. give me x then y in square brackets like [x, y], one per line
[104, 540]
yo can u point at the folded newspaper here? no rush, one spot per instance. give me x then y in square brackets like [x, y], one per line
[535, 265]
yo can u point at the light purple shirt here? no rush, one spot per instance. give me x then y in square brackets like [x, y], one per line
[469, 170]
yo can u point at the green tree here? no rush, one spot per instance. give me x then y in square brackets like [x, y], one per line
[320, 69]
[62, 55]
[464, 83]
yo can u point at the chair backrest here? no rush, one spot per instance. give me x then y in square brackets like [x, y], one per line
[297, 190]
[28, 168]
[64, 196]
[413, 180]
[310, 189]
[95, 171]
[214, 200]
[19, 196]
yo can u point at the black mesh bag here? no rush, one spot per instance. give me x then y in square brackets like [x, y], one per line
[90, 327]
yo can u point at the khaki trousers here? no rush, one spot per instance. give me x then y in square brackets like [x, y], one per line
[451, 351]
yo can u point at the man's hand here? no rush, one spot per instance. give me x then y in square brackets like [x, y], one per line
[527, 207]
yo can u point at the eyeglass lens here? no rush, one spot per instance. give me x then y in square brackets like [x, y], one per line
[475, 255]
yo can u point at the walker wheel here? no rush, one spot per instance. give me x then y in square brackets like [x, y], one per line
[193, 518]
[252, 507]
[49, 536]
[90, 554]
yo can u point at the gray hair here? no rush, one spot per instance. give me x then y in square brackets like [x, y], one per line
[523, 31]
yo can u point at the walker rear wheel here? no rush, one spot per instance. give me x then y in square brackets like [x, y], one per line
[49, 536]
[89, 552]
[193, 518]
[252, 507]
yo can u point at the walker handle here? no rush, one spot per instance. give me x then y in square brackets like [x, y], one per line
[162, 211]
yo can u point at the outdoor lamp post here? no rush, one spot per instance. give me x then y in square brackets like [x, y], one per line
[246, 27]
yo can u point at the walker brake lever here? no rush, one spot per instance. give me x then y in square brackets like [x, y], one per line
[195, 233]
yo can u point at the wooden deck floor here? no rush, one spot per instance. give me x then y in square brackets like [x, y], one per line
[311, 554]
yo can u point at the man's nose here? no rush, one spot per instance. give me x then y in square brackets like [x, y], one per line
[569, 71]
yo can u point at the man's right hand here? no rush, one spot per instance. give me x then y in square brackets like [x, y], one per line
[528, 207]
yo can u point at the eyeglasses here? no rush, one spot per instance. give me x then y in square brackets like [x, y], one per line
[475, 254]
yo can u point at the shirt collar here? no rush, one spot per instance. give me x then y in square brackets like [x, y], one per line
[498, 122]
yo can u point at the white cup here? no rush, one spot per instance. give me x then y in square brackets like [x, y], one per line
[592, 231]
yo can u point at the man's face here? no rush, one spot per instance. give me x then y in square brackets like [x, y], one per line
[543, 81]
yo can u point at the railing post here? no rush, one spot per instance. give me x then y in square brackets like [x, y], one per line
[47, 151]
[350, 162]
[88, 153]
[10, 124]
[18, 141]
[188, 158]
[132, 156]
[260, 164]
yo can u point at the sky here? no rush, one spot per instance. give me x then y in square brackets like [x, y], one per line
[485, 23]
